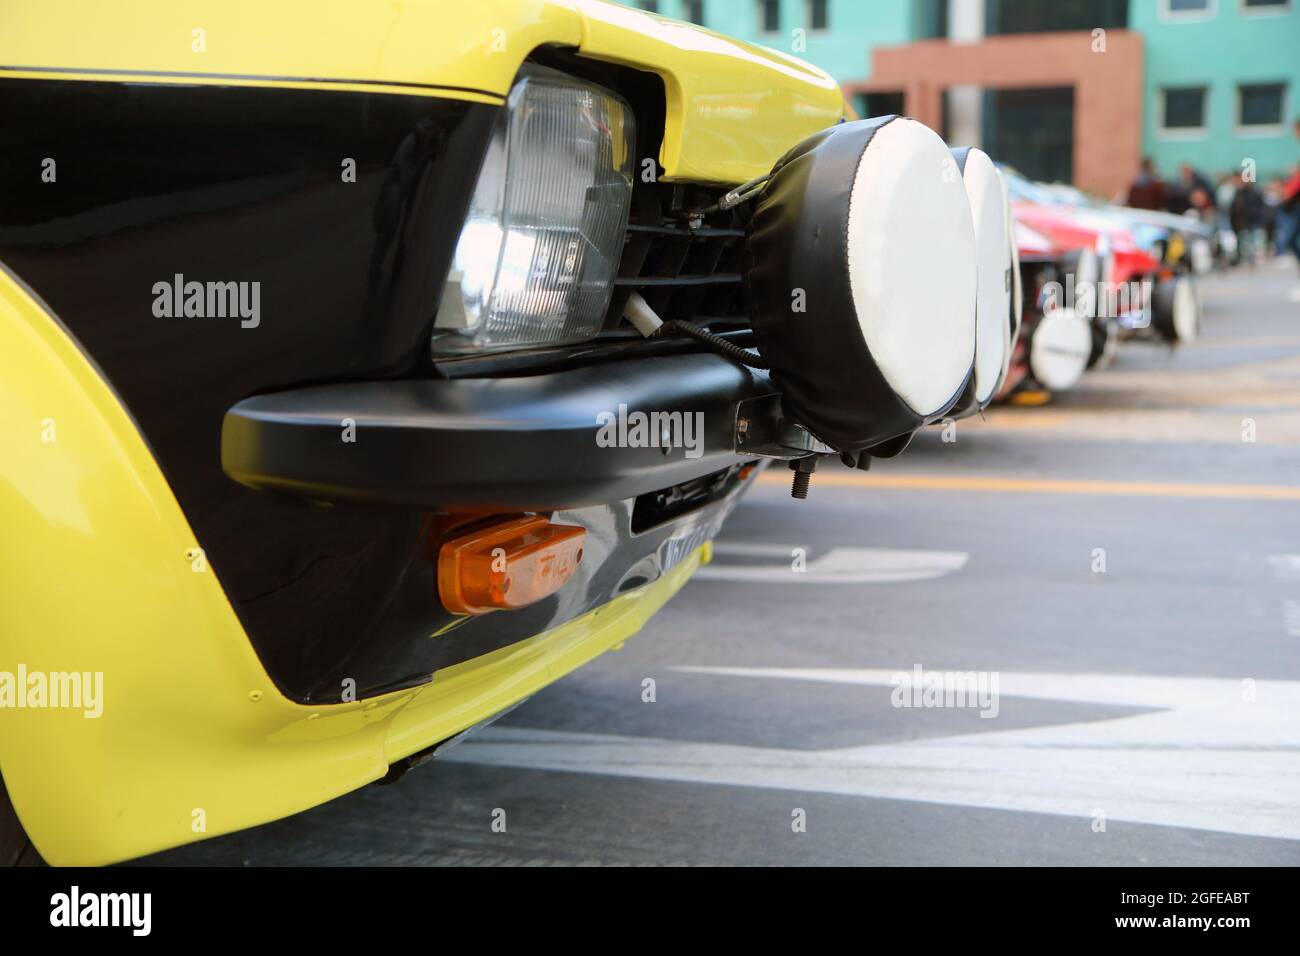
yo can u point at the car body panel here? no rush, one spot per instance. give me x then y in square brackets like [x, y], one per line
[1077, 229]
[1032, 245]
[732, 109]
[1135, 234]
[345, 292]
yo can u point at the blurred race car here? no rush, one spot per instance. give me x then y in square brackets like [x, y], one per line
[1057, 342]
[1146, 261]
[1183, 242]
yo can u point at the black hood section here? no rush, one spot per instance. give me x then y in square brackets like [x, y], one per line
[226, 184]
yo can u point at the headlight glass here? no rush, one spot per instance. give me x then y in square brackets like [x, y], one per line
[539, 250]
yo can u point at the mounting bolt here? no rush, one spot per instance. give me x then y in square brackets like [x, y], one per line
[803, 469]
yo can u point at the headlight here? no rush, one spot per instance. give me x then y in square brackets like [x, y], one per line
[989, 211]
[865, 222]
[537, 255]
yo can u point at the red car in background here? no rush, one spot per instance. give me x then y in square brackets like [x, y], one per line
[1090, 278]
[1145, 285]
[1056, 342]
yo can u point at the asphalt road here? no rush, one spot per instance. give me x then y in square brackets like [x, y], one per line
[1147, 713]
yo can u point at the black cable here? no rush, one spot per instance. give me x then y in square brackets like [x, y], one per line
[716, 342]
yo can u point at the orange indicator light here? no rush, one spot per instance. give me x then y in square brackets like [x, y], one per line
[507, 565]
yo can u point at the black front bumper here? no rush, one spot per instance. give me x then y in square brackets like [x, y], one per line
[537, 443]
[428, 447]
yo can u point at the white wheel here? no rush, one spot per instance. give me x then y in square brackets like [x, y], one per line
[1060, 349]
[1187, 310]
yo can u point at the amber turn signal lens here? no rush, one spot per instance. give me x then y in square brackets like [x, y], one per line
[507, 565]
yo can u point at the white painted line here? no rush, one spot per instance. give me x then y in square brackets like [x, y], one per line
[1208, 759]
[1291, 614]
[763, 549]
[836, 566]
[1286, 567]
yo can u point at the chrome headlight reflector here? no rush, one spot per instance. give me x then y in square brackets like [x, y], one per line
[539, 249]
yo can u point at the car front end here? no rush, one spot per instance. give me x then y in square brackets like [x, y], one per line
[333, 437]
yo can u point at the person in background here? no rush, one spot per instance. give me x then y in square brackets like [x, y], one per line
[1229, 238]
[1245, 214]
[1176, 200]
[1288, 216]
[1288, 211]
[1271, 197]
[1200, 194]
[1148, 189]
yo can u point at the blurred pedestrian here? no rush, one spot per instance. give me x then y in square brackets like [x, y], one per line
[1246, 220]
[1148, 189]
[1288, 216]
[1271, 197]
[1229, 239]
[1200, 194]
[1288, 211]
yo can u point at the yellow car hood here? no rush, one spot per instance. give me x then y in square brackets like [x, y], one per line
[732, 108]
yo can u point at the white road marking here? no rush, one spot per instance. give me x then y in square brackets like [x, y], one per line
[836, 566]
[1208, 758]
[1291, 615]
[1286, 567]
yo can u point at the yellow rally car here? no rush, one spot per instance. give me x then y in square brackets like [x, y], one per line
[366, 367]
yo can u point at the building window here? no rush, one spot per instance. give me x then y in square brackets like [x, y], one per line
[1183, 110]
[817, 14]
[880, 103]
[693, 10]
[1274, 7]
[931, 18]
[1036, 16]
[1260, 106]
[1031, 129]
[769, 16]
[649, 6]
[1187, 9]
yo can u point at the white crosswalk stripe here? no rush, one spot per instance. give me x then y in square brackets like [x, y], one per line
[1213, 754]
[836, 566]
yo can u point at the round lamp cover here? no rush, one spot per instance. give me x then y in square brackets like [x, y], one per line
[861, 280]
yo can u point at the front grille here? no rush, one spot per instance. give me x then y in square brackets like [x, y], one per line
[686, 265]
